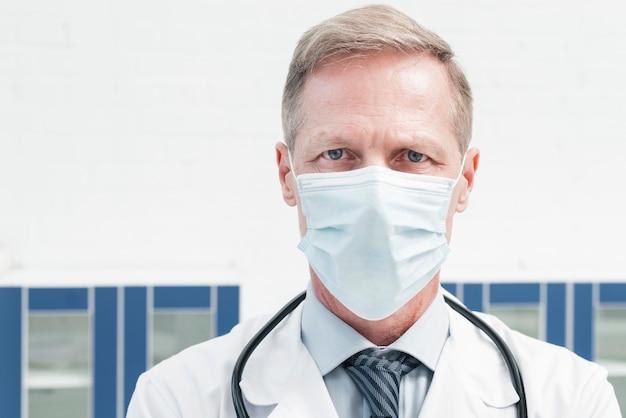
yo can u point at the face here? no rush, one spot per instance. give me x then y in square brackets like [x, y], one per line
[391, 110]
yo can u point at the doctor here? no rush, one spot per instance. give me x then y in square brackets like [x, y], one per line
[377, 119]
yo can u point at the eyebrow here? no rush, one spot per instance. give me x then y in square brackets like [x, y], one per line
[327, 139]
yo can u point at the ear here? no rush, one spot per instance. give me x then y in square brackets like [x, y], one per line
[469, 171]
[287, 181]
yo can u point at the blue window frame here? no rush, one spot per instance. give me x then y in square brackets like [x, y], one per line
[120, 317]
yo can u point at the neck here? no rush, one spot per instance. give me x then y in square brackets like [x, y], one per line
[387, 330]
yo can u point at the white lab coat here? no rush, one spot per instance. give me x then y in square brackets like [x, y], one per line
[282, 380]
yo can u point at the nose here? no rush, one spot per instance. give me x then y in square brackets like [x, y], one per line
[375, 159]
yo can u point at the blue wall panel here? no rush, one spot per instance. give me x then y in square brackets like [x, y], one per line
[514, 293]
[583, 320]
[10, 351]
[473, 296]
[105, 353]
[135, 338]
[556, 313]
[64, 299]
[227, 308]
[613, 293]
[182, 297]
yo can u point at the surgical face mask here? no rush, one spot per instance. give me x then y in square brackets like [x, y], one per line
[375, 237]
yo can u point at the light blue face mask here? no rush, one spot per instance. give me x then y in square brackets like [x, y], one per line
[375, 237]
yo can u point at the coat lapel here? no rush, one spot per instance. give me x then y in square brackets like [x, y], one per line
[282, 376]
[471, 378]
[448, 397]
[307, 397]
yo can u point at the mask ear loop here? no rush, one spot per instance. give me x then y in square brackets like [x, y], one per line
[291, 166]
[458, 177]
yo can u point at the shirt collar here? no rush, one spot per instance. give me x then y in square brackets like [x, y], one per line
[330, 340]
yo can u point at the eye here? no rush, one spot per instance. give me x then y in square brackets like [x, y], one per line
[415, 156]
[334, 154]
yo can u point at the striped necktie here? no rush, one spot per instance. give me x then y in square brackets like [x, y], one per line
[378, 379]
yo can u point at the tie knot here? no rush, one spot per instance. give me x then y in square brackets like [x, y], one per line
[378, 378]
[393, 361]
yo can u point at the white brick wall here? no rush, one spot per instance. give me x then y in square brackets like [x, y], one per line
[138, 136]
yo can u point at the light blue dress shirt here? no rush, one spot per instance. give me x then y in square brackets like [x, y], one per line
[331, 341]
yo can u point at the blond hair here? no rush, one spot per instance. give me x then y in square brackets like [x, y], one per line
[366, 30]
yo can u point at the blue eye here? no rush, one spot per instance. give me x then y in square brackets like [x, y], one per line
[335, 154]
[415, 156]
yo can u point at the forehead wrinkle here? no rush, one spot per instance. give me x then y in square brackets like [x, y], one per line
[340, 136]
[343, 134]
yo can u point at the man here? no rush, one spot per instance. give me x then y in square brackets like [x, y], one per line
[377, 121]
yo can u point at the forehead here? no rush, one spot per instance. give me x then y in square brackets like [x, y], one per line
[384, 93]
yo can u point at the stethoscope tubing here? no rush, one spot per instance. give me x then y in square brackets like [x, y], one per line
[505, 351]
[235, 389]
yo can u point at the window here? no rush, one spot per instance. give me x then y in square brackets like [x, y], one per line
[520, 318]
[59, 376]
[174, 330]
[611, 340]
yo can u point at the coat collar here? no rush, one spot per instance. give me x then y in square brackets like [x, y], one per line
[471, 374]
[282, 372]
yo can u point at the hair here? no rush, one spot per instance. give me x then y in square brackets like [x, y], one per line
[364, 31]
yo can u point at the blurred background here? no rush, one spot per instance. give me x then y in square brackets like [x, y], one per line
[140, 209]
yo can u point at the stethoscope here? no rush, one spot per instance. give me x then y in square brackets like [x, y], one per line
[516, 376]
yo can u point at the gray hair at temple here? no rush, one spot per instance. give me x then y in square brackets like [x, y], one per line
[365, 30]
